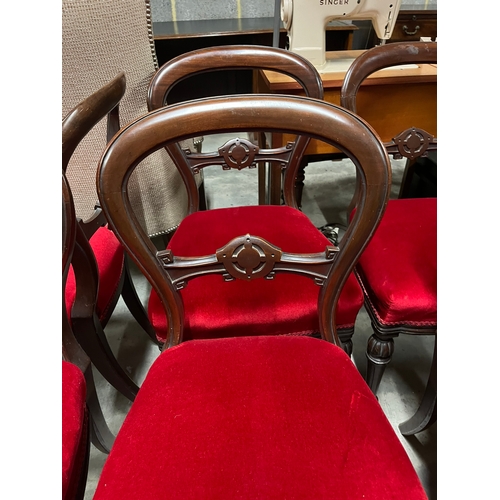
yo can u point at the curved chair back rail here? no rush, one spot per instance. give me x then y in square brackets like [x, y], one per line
[83, 117]
[239, 57]
[380, 57]
[296, 115]
[412, 142]
[232, 57]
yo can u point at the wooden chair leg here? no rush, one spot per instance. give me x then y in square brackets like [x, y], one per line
[91, 337]
[100, 435]
[134, 304]
[426, 414]
[85, 450]
[378, 354]
[345, 337]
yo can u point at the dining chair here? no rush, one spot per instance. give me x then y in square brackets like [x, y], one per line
[99, 259]
[82, 418]
[252, 416]
[398, 269]
[206, 303]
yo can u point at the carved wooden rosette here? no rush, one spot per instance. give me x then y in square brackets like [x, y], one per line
[411, 143]
[247, 257]
[238, 154]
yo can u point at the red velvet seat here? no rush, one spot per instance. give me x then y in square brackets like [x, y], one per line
[398, 268]
[74, 429]
[285, 305]
[109, 257]
[247, 418]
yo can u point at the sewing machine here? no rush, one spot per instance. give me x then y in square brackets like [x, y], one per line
[305, 21]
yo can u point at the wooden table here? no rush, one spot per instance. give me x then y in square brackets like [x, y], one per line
[391, 100]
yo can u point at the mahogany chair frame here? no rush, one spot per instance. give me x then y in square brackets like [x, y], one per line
[247, 257]
[87, 327]
[236, 57]
[243, 57]
[413, 142]
[410, 143]
[98, 430]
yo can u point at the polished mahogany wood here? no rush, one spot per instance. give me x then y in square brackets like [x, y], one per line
[87, 327]
[301, 116]
[231, 58]
[98, 430]
[410, 142]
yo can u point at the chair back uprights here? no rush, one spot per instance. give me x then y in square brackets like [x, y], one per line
[239, 57]
[248, 256]
[413, 142]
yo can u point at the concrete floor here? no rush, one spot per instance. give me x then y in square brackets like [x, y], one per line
[405, 377]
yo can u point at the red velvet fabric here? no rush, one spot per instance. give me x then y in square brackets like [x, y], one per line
[109, 256]
[285, 305]
[398, 268]
[253, 418]
[73, 422]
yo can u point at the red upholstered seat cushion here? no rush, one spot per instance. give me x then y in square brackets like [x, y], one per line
[73, 425]
[398, 268]
[256, 418]
[285, 305]
[109, 256]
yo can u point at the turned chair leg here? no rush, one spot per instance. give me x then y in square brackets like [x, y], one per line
[379, 353]
[426, 414]
[346, 338]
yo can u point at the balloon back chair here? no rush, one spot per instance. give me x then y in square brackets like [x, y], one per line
[207, 302]
[398, 269]
[252, 416]
[99, 259]
[82, 418]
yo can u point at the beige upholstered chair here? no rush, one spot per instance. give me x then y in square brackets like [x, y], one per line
[100, 38]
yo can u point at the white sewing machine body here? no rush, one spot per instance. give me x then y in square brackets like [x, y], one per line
[306, 20]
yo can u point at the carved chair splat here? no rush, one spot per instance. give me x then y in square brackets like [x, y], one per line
[238, 57]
